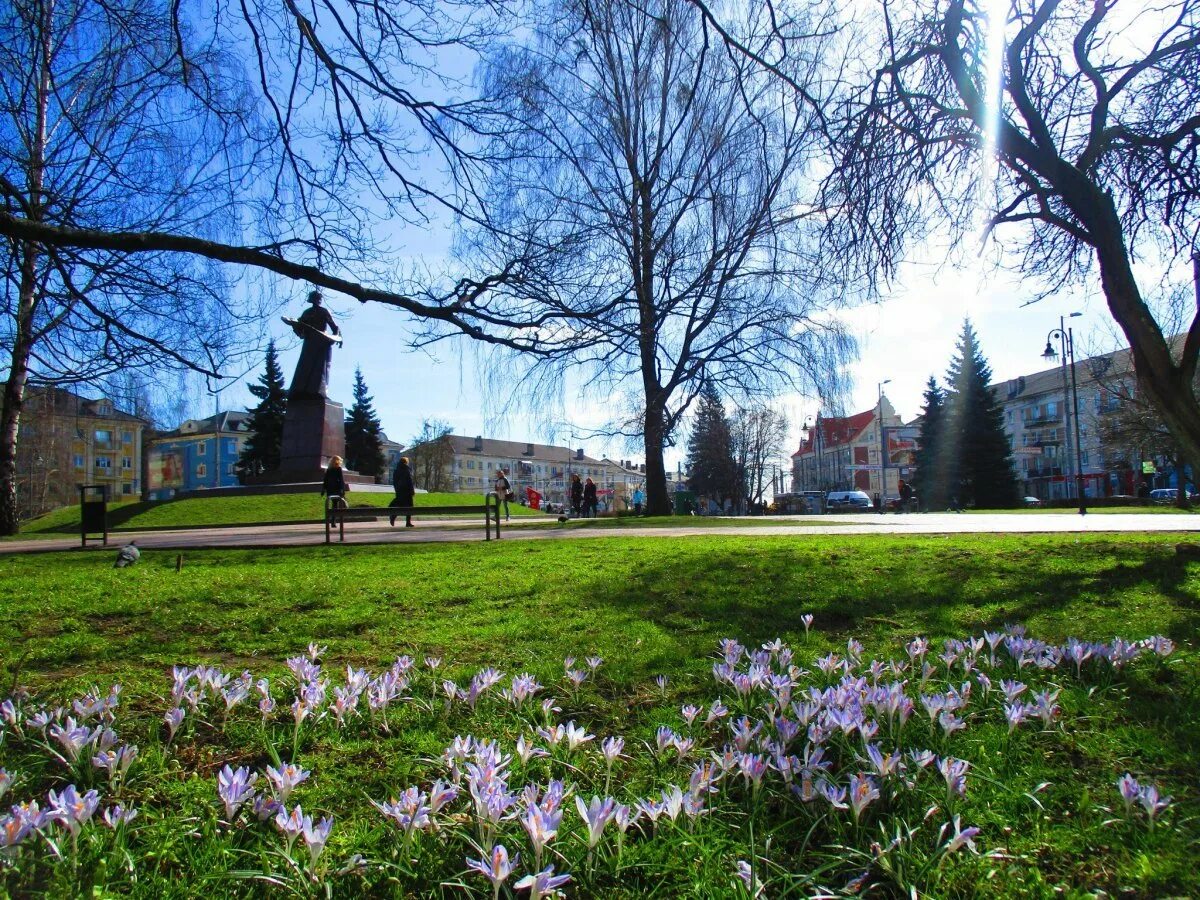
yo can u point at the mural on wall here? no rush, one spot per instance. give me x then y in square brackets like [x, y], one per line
[165, 469]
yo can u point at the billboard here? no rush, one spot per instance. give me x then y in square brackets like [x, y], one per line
[901, 442]
[165, 468]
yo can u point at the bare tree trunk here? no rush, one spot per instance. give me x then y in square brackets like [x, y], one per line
[658, 498]
[18, 377]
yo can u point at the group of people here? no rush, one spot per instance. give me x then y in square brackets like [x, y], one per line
[335, 487]
[585, 501]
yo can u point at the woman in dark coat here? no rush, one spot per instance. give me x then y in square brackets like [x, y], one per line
[334, 485]
[590, 500]
[576, 495]
[402, 482]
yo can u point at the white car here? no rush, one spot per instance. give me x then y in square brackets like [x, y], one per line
[1032, 501]
[1164, 495]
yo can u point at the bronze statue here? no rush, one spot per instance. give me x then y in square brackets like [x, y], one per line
[319, 332]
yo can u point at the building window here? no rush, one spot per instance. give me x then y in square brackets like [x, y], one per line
[126, 462]
[103, 462]
[127, 488]
[201, 470]
[202, 448]
[127, 437]
[231, 469]
[103, 436]
[1083, 457]
[78, 461]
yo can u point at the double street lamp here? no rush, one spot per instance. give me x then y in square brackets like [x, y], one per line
[882, 448]
[1067, 340]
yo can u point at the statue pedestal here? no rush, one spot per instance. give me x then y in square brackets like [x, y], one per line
[313, 431]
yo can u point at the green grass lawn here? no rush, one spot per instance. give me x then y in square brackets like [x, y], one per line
[1044, 798]
[200, 512]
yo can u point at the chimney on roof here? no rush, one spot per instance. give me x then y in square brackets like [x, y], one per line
[579, 453]
[529, 449]
[478, 442]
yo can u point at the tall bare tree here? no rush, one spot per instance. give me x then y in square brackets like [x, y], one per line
[759, 433]
[1090, 110]
[95, 128]
[655, 186]
[432, 457]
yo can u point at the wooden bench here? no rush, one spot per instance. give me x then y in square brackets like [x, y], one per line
[337, 511]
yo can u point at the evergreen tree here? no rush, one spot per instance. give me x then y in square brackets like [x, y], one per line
[261, 451]
[712, 469]
[933, 460]
[364, 443]
[983, 473]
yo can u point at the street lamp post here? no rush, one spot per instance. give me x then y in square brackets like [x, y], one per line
[1067, 340]
[882, 448]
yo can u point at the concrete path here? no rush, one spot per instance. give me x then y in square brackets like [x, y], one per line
[447, 530]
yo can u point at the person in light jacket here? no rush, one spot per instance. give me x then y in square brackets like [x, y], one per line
[334, 486]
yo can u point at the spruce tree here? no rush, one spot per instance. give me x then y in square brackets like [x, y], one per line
[261, 451]
[364, 443]
[983, 475]
[712, 469]
[932, 458]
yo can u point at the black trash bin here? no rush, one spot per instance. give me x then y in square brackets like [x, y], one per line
[93, 512]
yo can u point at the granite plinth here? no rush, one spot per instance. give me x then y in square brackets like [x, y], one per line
[314, 431]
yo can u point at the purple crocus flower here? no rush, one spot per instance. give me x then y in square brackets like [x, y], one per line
[596, 815]
[542, 828]
[611, 748]
[316, 836]
[542, 884]
[862, 791]
[955, 773]
[959, 836]
[13, 829]
[1148, 797]
[173, 718]
[291, 824]
[1130, 791]
[73, 737]
[117, 815]
[235, 787]
[284, 780]
[72, 810]
[807, 620]
[496, 868]
[576, 735]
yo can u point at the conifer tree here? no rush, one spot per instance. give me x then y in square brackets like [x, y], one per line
[983, 473]
[261, 452]
[933, 460]
[712, 469]
[364, 442]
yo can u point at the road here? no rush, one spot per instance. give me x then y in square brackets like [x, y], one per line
[434, 530]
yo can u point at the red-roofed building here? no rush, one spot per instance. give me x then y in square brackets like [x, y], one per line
[841, 453]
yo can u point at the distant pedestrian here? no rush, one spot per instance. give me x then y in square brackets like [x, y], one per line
[576, 496]
[504, 492]
[955, 506]
[402, 483]
[906, 496]
[639, 500]
[590, 500]
[334, 487]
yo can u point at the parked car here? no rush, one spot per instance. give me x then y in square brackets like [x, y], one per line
[838, 501]
[1033, 501]
[1164, 496]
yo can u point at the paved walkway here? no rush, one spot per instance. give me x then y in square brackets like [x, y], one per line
[447, 530]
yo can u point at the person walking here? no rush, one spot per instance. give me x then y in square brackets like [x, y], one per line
[906, 496]
[504, 492]
[639, 500]
[576, 496]
[406, 490]
[334, 486]
[590, 500]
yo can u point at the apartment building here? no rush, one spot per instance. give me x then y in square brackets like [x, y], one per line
[67, 440]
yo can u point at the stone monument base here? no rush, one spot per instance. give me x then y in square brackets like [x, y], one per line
[314, 432]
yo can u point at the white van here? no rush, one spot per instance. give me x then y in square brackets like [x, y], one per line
[837, 501]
